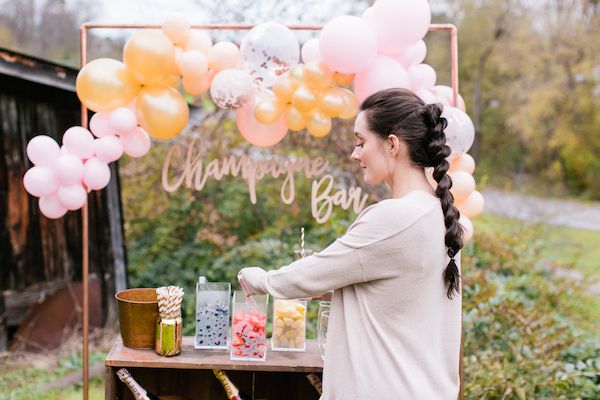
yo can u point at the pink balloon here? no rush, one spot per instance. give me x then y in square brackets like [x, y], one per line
[412, 55]
[367, 14]
[311, 52]
[123, 120]
[69, 169]
[100, 125]
[399, 23]
[257, 133]
[463, 184]
[96, 174]
[73, 197]
[136, 143]
[460, 132]
[384, 73]
[426, 96]
[43, 150]
[348, 44]
[51, 206]
[79, 141]
[467, 226]
[422, 76]
[40, 181]
[444, 95]
[108, 149]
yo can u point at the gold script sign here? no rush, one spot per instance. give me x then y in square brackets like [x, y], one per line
[193, 171]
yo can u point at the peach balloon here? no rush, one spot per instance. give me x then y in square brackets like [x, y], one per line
[318, 76]
[467, 226]
[304, 99]
[176, 27]
[343, 79]
[463, 162]
[332, 102]
[463, 185]
[473, 205]
[193, 64]
[350, 104]
[269, 111]
[162, 112]
[224, 55]
[105, 84]
[317, 123]
[150, 56]
[284, 89]
[198, 85]
[256, 133]
[294, 119]
[200, 41]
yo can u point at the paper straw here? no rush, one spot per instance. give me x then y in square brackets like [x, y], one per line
[302, 241]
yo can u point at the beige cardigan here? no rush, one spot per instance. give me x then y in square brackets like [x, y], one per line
[393, 333]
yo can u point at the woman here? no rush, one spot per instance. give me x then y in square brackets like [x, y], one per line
[395, 322]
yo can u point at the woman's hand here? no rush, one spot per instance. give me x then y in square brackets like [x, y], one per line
[252, 280]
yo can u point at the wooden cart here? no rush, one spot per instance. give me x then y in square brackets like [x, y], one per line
[281, 376]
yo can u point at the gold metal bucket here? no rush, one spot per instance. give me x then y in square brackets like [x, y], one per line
[138, 312]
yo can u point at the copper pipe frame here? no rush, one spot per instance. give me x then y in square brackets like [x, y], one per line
[84, 123]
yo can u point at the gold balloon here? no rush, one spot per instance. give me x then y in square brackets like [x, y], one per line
[317, 123]
[284, 89]
[268, 111]
[294, 119]
[105, 84]
[161, 111]
[343, 79]
[318, 76]
[332, 102]
[150, 56]
[197, 86]
[297, 72]
[304, 99]
[350, 104]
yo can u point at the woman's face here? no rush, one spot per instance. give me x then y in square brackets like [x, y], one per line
[370, 152]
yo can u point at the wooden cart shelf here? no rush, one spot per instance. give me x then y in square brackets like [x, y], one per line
[281, 376]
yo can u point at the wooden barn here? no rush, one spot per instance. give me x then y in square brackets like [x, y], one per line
[40, 275]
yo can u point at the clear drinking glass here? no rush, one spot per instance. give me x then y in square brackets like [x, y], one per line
[322, 325]
[212, 315]
[298, 254]
[248, 322]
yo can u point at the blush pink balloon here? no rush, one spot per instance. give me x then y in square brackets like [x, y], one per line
[422, 76]
[96, 174]
[384, 73]
[256, 133]
[463, 184]
[310, 51]
[426, 96]
[43, 150]
[412, 55]
[467, 226]
[445, 96]
[100, 125]
[122, 120]
[348, 44]
[69, 169]
[108, 149]
[73, 197]
[51, 206]
[136, 143]
[399, 23]
[40, 181]
[79, 142]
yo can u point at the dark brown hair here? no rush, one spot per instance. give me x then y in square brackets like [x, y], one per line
[421, 127]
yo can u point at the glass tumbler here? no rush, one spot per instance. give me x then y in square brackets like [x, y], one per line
[249, 322]
[322, 325]
[212, 315]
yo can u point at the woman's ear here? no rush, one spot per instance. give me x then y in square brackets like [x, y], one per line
[395, 145]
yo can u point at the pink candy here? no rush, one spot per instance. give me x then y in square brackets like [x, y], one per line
[249, 339]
